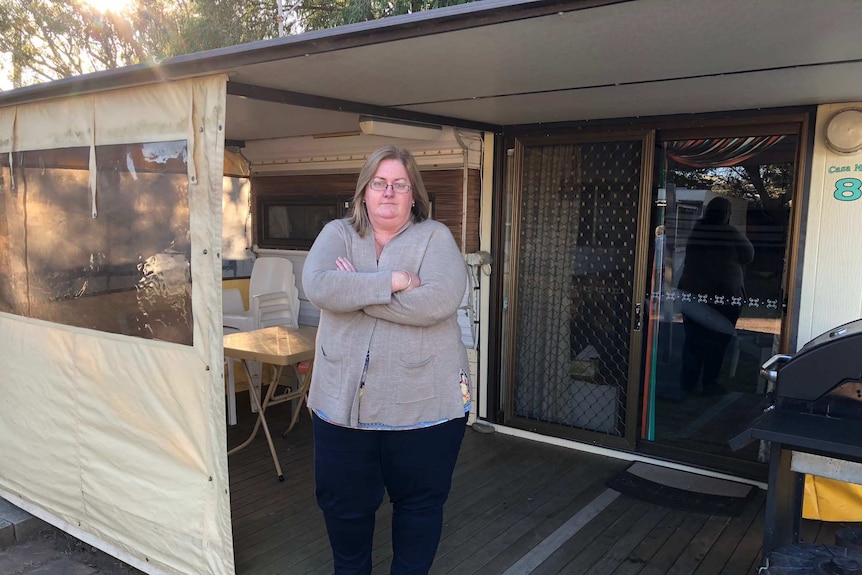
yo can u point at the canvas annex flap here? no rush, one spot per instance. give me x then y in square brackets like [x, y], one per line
[164, 122]
[7, 129]
[64, 123]
[123, 438]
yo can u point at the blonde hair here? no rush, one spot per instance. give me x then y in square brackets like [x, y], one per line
[421, 209]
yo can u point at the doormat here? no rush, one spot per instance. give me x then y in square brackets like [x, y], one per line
[682, 490]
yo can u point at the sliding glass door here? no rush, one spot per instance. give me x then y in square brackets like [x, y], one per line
[722, 212]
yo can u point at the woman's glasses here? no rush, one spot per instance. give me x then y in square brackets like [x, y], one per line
[380, 185]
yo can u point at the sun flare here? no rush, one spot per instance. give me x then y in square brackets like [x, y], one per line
[116, 6]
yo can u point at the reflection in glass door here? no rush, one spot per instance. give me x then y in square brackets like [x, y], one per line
[722, 210]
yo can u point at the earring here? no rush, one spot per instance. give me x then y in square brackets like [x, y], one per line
[414, 204]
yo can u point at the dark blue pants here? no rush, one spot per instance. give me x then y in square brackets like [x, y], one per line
[351, 469]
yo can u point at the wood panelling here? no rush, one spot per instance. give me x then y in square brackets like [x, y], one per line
[444, 186]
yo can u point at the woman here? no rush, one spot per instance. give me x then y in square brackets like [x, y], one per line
[716, 254]
[389, 387]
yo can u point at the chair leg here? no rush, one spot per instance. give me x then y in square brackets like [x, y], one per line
[231, 393]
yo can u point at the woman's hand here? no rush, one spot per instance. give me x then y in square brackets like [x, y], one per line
[404, 281]
[344, 265]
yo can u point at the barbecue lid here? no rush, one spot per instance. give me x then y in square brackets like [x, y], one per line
[822, 365]
[847, 329]
[817, 396]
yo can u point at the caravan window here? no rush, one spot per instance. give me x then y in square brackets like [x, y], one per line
[294, 222]
[289, 211]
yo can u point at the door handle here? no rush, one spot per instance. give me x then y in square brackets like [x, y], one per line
[638, 311]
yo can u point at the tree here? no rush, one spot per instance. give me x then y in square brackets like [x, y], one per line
[764, 184]
[207, 24]
[320, 14]
[47, 39]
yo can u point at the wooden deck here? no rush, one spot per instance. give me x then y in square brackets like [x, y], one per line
[516, 507]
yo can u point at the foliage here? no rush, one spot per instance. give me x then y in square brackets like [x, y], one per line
[45, 40]
[207, 24]
[320, 14]
[762, 184]
[42, 40]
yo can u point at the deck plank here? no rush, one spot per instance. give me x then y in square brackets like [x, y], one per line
[666, 557]
[621, 551]
[599, 557]
[651, 543]
[566, 557]
[699, 546]
[717, 556]
[747, 552]
[527, 522]
[509, 496]
[471, 518]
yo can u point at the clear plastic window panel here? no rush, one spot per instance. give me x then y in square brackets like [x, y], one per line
[119, 262]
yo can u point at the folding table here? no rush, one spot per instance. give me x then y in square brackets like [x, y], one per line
[280, 347]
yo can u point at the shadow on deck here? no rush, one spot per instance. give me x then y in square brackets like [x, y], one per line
[517, 507]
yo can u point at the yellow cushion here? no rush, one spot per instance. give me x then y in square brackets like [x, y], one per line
[831, 500]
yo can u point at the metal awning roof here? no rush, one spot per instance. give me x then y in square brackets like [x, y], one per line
[493, 63]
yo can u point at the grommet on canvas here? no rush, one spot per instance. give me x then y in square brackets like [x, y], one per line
[205, 252]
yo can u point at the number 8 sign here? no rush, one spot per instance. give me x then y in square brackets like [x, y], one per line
[848, 189]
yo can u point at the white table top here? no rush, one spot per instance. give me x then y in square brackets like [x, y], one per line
[277, 345]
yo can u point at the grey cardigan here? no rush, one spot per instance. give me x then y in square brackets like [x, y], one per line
[412, 338]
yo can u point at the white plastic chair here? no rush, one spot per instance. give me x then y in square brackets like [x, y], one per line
[273, 300]
[272, 294]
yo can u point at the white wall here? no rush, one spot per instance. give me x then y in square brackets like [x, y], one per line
[831, 291]
[237, 256]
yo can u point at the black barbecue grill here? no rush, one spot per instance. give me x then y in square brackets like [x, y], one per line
[813, 425]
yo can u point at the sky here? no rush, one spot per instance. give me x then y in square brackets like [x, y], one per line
[5, 68]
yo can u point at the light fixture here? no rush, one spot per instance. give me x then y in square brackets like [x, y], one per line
[844, 131]
[374, 126]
